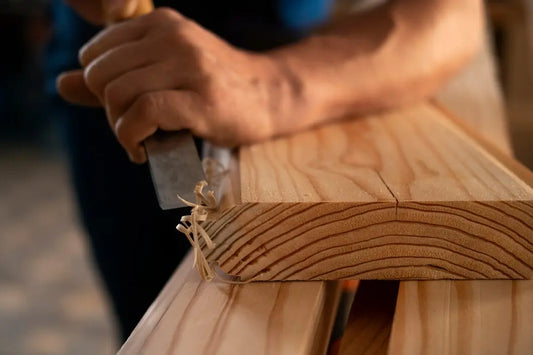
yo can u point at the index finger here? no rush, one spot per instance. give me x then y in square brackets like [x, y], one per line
[111, 37]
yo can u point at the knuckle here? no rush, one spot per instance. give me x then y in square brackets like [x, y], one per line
[204, 63]
[212, 95]
[176, 34]
[177, 28]
[86, 53]
[147, 107]
[121, 134]
[165, 13]
[91, 78]
[112, 94]
[90, 50]
[83, 55]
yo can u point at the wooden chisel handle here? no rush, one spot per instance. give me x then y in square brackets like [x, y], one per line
[133, 9]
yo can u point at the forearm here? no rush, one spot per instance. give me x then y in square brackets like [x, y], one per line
[181, 76]
[395, 54]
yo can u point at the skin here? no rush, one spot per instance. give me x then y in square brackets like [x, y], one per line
[109, 11]
[164, 71]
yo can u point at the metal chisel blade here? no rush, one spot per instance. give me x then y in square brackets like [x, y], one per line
[175, 167]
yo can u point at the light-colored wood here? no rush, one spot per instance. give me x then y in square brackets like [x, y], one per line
[191, 316]
[327, 318]
[370, 322]
[360, 200]
[475, 96]
[470, 317]
[466, 317]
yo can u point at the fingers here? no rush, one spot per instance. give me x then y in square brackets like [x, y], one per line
[167, 110]
[115, 62]
[123, 91]
[71, 87]
[111, 37]
[135, 126]
[121, 33]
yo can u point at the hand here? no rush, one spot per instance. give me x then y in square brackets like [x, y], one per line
[71, 85]
[163, 71]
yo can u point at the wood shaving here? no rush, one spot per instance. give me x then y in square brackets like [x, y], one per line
[191, 226]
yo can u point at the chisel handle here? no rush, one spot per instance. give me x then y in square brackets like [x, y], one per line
[133, 8]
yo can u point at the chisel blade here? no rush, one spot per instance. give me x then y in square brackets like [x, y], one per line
[175, 167]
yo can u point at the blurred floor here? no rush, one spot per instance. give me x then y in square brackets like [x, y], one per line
[50, 299]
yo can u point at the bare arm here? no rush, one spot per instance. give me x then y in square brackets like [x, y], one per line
[395, 54]
[163, 71]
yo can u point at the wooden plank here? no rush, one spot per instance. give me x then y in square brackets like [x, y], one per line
[370, 322]
[358, 200]
[495, 149]
[475, 96]
[191, 316]
[469, 317]
[474, 317]
[327, 318]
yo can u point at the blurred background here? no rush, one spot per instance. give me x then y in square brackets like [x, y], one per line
[51, 301]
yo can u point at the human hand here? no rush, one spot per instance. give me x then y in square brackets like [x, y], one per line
[163, 71]
[71, 84]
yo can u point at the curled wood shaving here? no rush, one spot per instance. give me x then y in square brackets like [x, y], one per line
[191, 226]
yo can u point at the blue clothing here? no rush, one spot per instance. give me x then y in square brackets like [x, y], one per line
[135, 244]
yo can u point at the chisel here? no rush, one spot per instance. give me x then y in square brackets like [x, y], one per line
[174, 161]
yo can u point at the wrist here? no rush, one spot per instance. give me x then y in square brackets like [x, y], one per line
[286, 95]
[305, 92]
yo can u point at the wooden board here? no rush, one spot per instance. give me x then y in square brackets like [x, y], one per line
[475, 96]
[191, 316]
[359, 200]
[463, 317]
[370, 322]
[469, 317]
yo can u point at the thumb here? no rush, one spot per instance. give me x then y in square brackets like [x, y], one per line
[71, 87]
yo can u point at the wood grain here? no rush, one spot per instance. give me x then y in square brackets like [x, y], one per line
[370, 322]
[469, 317]
[463, 317]
[191, 316]
[475, 95]
[360, 200]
